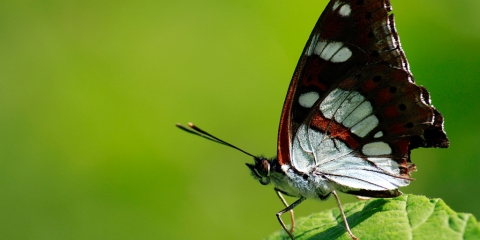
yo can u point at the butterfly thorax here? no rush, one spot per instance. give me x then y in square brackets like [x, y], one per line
[312, 185]
[289, 180]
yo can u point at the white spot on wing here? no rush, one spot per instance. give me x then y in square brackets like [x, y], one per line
[342, 55]
[345, 10]
[333, 100]
[362, 111]
[319, 47]
[308, 99]
[351, 110]
[348, 106]
[330, 50]
[376, 148]
[365, 126]
[378, 134]
[386, 164]
[335, 5]
[313, 44]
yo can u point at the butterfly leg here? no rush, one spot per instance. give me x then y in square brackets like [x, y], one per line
[289, 208]
[279, 194]
[343, 216]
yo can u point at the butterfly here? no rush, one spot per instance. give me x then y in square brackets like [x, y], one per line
[352, 113]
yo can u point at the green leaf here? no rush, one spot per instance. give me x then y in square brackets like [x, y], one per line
[404, 217]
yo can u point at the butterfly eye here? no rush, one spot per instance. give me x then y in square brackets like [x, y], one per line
[265, 181]
[265, 167]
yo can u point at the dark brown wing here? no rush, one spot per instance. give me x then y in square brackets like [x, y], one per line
[354, 50]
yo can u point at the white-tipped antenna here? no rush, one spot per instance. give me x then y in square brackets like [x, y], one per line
[199, 132]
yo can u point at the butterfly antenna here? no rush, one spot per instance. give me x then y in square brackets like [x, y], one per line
[201, 133]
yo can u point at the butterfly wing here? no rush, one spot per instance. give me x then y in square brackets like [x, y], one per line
[353, 112]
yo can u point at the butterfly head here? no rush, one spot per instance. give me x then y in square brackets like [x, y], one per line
[260, 170]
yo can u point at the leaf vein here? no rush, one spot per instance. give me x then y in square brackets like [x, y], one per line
[408, 217]
[426, 219]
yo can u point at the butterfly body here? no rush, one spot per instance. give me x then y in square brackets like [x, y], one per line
[290, 182]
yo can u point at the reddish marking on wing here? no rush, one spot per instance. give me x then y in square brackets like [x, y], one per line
[384, 95]
[369, 85]
[335, 130]
[310, 77]
[320, 123]
[397, 129]
[284, 130]
[391, 111]
[283, 146]
[317, 84]
[403, 146]
[348, 83]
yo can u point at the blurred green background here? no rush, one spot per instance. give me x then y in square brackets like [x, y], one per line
[90, 92]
